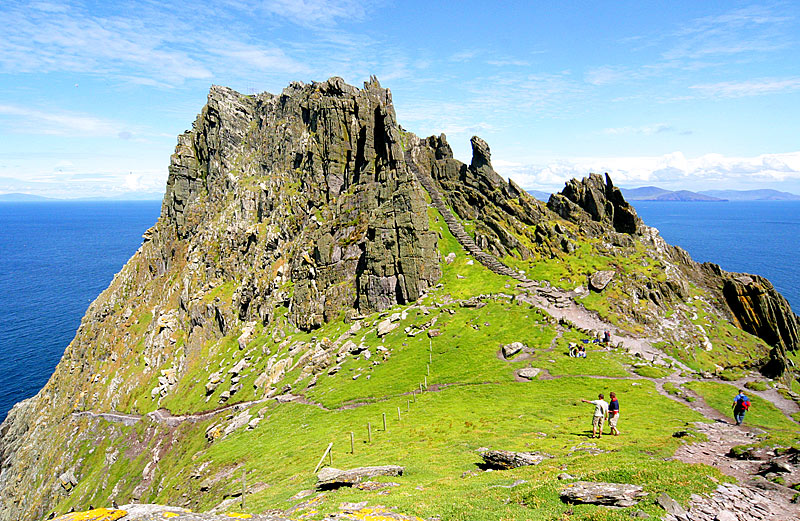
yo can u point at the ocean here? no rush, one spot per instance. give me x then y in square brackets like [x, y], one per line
[761, 237]
[56, 257]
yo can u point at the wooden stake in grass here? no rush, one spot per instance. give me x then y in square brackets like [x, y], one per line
[384, 421]
[430, 357]
[352, 443]
[323, 457]
[429, 369]
[414, 396]
[369, 432]
[426, 383]
[398, 414]
[408, 405]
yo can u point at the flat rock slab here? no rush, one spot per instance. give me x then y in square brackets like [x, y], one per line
[505, 459]
[598, 493]
[529, 372]
[330, 476]
[147, 512]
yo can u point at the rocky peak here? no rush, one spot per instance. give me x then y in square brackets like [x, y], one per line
[600, 199]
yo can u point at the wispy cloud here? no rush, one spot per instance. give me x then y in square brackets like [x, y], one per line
[28, 120]
[740, 89]
[750, 29]
[646, 130]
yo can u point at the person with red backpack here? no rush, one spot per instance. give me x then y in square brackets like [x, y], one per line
[741, 404]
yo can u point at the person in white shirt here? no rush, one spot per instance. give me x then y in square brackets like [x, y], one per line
[600, 414]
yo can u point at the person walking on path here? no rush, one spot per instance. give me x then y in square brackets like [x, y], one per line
[741, 403]
[600, 414]
[613, 414]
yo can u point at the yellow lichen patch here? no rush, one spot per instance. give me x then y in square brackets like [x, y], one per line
[237, 515]
[98, 514]
[379, 514]
[169, 514]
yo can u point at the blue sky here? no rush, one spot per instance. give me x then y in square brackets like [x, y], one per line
[696, 95]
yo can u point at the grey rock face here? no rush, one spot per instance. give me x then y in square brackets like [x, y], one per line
[317, 165]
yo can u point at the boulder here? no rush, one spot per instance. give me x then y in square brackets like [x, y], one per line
[504, 459]
[331, 477]
[600, 279]
[598, 493]
[513, 348]
[529, 372]
[386, 326]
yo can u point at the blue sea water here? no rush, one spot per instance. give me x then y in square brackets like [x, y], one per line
[752, 237]
[56, 258]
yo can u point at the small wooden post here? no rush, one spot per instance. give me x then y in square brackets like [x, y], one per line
[369, 432]
[330, 457]
[426, 383]
[414, 396]
[430, 357]
[384, 421]
[398, 414]
[323, 457]
[420, 387]
[352, 443]
[244, 486]
[408, 405]
[429, 369]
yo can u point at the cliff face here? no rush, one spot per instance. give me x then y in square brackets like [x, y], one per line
[299, 213]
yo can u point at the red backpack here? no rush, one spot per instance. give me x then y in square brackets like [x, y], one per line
[743, 403]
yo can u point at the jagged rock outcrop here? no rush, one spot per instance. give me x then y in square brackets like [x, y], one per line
[600, 199]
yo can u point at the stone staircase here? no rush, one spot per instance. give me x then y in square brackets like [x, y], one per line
[457, 229]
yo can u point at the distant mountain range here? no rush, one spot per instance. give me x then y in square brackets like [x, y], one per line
[30, 198]
[654, 193]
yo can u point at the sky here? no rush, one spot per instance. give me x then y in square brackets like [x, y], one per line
[682, 95]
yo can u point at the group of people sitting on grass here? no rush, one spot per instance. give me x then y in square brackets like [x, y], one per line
[579, 351]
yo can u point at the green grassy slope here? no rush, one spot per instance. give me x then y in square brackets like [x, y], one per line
[472, 401]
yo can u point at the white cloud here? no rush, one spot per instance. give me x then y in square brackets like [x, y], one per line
[674, 171]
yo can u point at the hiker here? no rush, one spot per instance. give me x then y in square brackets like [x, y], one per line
[581, 352]
[600, 414]
[613, 414]
[741, 403]
[606, 337]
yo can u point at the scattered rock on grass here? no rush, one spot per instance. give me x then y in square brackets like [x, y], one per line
[598, 493]
[513, 348]
[529, 372]
[331, 477]
[505, 459]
